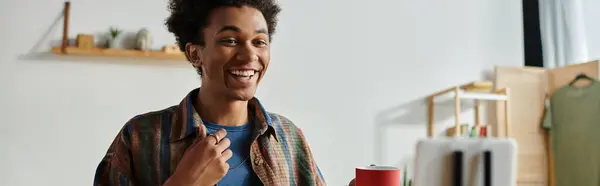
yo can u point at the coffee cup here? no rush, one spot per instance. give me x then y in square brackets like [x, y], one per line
[378, 176]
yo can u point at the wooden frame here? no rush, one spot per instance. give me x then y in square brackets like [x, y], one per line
[459, 93]
[527, 85]
[550, 80]
[65, 49]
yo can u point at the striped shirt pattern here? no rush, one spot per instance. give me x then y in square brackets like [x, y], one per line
[148, 148]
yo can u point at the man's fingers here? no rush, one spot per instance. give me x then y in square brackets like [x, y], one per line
[226, 155]
[219, 135]
[211, 140]
[224, 144]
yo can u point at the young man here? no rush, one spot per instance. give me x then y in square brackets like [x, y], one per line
[219, 134]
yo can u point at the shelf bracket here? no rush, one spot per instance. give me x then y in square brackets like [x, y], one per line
[65, 39]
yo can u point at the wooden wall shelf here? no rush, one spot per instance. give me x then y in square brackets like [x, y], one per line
[138, 54]
[66, 49]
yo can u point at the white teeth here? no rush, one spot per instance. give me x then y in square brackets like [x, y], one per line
[246, 73]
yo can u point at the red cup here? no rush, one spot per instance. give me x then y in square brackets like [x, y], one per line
[378, 176]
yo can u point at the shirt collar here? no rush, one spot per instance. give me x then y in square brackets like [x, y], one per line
[189, 121]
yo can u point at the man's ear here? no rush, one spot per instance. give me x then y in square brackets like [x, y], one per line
[193, 54]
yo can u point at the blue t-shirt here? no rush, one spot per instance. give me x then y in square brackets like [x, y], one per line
[241, 172]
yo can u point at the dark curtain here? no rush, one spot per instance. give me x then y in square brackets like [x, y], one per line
[531, 32]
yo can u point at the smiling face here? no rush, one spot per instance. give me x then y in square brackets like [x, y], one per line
[235, 55]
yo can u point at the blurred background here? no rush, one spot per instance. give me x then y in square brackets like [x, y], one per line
[353, 75]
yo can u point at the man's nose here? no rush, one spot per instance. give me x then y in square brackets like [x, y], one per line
[247, 53]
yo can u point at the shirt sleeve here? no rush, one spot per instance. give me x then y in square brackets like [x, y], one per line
[315, 171]
[115, 167]
[547, 120]
[309, 172]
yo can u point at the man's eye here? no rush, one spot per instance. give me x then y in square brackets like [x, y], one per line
[229, 41]
[260, 43]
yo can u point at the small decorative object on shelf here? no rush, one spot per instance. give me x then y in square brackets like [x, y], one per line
[85, 41]
[466, 130]
[171, 49]
[113, 37]
[144, 40]
[462, 130]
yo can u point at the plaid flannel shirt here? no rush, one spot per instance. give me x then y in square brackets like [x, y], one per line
[148, 148]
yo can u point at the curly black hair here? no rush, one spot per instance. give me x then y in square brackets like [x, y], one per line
[189, 17]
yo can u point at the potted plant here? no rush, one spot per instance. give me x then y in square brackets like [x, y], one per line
[114, 33]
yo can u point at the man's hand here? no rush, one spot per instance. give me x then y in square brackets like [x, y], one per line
[204, 163]
[352, 183]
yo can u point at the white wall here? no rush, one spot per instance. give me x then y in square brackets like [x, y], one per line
[351, 74]
[591, 14]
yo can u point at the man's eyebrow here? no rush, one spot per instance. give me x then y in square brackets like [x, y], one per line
[231, 28]
[237, 29]
[262, 31]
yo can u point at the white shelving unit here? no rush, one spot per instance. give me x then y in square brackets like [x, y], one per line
[464, 95]
[462, 92]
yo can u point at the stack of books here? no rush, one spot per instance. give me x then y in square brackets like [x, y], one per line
[470, 131]
[480, 86]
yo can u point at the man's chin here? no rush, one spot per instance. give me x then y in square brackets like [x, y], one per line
[244, 95]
